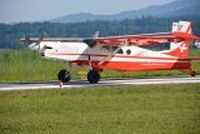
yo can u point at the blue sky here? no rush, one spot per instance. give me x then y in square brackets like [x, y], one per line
[40, 10]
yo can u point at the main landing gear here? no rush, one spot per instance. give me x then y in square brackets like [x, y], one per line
[92, 76]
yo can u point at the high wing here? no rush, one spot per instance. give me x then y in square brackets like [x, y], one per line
[126, 40]
[181, 31]
[145, 39]
[38, 39]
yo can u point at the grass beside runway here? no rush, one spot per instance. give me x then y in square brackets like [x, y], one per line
[124, 109]
[26, 65]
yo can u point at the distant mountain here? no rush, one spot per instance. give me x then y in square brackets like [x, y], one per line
[175, 8]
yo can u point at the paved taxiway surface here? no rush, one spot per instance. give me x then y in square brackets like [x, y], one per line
[84, 83]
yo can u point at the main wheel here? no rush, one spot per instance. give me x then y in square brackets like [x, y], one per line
[93, 76]
[64, 75]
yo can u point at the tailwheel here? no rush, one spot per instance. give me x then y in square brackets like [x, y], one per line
[64, 75]
[190, 72]
[93, 76]
[193, 73]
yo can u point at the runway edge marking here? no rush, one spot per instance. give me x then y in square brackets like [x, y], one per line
[102, 83]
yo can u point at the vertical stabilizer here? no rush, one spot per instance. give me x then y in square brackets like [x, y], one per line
[180, 49]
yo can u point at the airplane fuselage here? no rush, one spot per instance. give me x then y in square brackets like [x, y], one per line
[127, 58]
[121, 53]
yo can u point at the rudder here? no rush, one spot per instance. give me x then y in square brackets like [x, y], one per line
[180, 49]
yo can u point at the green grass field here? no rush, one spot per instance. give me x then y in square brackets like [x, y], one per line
[151, 109]
[26, 65]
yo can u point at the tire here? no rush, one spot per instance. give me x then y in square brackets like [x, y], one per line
[64, 75]
[93, 76]
[193, 74]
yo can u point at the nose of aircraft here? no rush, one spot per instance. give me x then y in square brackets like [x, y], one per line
[34, 46]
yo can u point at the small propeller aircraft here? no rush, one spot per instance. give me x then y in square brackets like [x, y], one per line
[121, 53]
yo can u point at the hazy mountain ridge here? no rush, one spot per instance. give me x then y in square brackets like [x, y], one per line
[176, 8]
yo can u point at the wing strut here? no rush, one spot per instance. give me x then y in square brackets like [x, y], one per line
[109, 56]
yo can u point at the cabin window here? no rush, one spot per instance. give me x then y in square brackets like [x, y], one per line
[120, 51]
[109, 48]
[128, 51]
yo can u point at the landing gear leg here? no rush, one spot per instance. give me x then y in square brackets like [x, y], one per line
[64, 76]
[93, 76]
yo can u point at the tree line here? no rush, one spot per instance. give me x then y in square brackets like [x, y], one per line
[11, 33]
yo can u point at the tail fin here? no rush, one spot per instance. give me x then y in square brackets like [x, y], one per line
[182, 27]
[180, 49]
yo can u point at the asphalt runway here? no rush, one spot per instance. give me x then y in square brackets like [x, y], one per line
[84, 83]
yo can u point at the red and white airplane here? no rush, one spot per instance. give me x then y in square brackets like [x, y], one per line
[122, 53]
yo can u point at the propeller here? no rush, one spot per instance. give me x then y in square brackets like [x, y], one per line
[34, 44]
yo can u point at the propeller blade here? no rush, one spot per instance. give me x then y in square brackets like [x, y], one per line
[34, 46]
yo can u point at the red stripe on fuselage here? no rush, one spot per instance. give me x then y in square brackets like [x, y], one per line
[135, 66]
[116, 56]
[132, 66]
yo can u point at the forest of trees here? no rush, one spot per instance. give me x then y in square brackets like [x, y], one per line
[11, 33]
